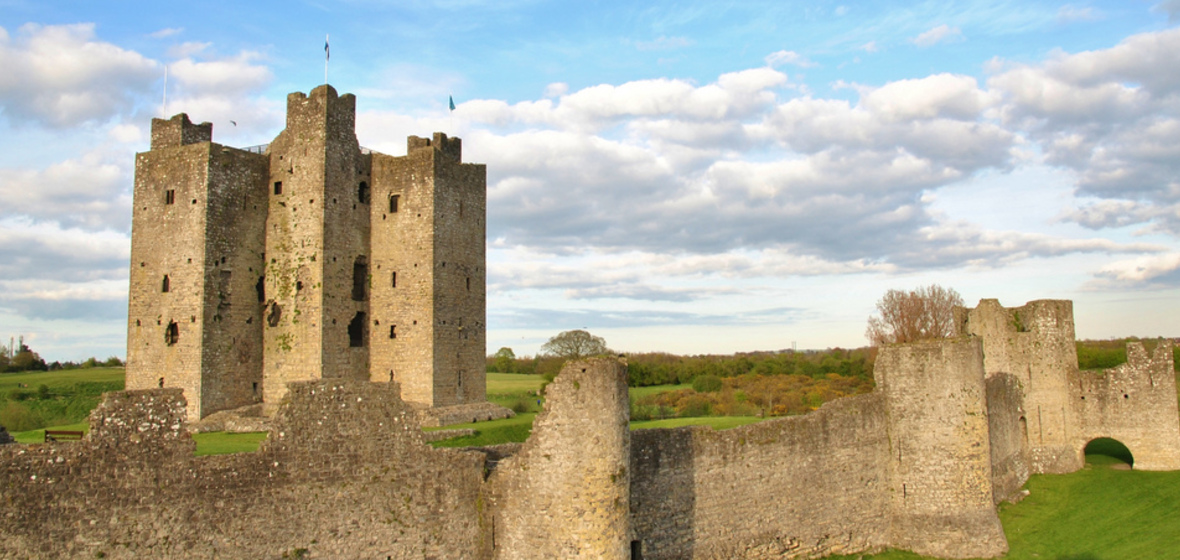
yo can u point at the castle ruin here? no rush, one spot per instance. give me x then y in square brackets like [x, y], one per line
[344, 290]
[308, 258]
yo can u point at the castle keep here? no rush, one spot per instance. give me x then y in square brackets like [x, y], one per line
[308, 258]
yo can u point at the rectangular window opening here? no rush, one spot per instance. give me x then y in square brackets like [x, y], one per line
[393, 203]
[394, 280]
[278, 187]
[170, 196]
[392, 331]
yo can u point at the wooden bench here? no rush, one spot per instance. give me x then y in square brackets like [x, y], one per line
[62, 435]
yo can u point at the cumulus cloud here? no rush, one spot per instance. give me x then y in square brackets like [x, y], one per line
[1112, 116]
[62, 76]
[90, 192]
[941, 34]
[1148, 271]
[1170, 7]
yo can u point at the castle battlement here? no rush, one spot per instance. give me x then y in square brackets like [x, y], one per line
[179, 131]
[450, 147]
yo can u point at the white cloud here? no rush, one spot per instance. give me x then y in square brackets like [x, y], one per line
[870, 46]
[166, 32]
[1069, 14]
[61, 76]
[1112, 116]
[91, 192]
[1161, 270]
[941, 34]
[789, 57]
[663, 44]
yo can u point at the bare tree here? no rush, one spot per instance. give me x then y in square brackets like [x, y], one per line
[573, 345]
[924, 313]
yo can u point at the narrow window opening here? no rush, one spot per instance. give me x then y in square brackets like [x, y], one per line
[460, 208]
[636, 550]
[172, 333]
[254, 388]
[161, 382]
[393, 198]
[394, 280]
[137, 322]
[170, 196]
[362, 193]
[278, 187]
[360, 278]
[469, 283]
[165, 285]
[356, 330]
[392, 331]
[260, 287]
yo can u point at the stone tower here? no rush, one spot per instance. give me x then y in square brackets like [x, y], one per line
[308, 258]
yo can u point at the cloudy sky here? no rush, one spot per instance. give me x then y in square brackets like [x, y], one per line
[685, 176]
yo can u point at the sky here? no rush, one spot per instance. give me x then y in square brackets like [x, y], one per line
[681, 176]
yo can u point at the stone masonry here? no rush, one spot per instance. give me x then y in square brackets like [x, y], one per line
[917, 464]
[308, 258]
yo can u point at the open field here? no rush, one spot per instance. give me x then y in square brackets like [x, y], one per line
[67, 398]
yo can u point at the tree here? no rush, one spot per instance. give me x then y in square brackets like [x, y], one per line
[505, 359]
[573, 345]
[924, 313]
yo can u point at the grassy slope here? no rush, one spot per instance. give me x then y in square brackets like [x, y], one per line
[72, 395]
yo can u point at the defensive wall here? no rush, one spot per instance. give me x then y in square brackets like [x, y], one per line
[917, 464]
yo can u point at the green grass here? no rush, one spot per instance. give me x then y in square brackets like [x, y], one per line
[71, 395]
[640, 392]
[1097, 513]
[492, 432]
[717, 422]
[221, 443]
[511, 383]
[38, 436]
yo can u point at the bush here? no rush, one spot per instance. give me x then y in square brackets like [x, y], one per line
[17, 395]
[43, 391]
[706, 384]
[18, 418]
[522, 405]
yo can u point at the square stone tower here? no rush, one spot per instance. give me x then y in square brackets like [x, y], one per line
[308, 258]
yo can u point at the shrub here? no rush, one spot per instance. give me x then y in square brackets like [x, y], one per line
[17, 395]
[43, 391]
[521, 405]
[706, 384]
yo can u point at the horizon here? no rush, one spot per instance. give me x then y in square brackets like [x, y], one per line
[691, 178]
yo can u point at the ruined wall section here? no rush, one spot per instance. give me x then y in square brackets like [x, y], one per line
[565, 494]
[1035, 343]
[344, 474]
[940, 461]
[1008, 436]
[1134, 403]
[403, 279]
[311, 248]
[460, 338]
[231, 371]
[797, 487]
[167, 287]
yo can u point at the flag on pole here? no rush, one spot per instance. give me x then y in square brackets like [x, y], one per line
[451, 98]
[327, 53]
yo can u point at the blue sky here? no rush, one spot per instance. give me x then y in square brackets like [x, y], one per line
[682, 176]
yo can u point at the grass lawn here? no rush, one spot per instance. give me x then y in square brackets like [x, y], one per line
[1097, 513]
[60, 378]
[38, 436]
[492, 432]
[639, 392]
[68, 398]
[221, 443]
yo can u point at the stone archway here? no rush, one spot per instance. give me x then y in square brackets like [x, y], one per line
[1108, 451]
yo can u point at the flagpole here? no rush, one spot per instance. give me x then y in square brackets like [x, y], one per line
[164, 109]
[327, 57]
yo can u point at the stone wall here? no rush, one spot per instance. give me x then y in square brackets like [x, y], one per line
[1134, 403]
[1008, 436]
[565, 493]
[797, 487]
[1035, 343]
[344, 474]
[939, 454]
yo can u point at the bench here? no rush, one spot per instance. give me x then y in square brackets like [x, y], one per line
[62, 435]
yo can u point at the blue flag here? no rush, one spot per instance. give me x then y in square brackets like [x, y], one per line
[452, 100]
[327, 53]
